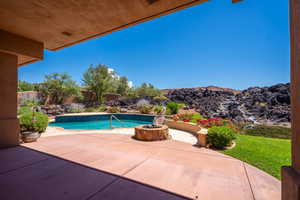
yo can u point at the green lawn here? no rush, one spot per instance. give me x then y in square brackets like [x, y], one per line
[267, 154]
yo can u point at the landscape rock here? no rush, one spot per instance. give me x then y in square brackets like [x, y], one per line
[256, 104]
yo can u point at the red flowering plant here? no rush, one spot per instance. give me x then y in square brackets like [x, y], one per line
[205, 123]
[212, 122]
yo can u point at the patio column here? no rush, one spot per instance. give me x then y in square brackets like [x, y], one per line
[9, 124]
[13, 48]
[291, 174]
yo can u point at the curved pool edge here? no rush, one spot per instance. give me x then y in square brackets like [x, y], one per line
[100, 113]
[100, 121]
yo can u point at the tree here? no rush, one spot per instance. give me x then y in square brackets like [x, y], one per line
[58, 87]
[147, 90]
[122, 86]
[25, 86]
[99, 80]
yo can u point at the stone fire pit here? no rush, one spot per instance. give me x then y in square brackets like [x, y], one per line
[151, 133]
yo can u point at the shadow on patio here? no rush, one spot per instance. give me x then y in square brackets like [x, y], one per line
[30, 174]
[100, 166]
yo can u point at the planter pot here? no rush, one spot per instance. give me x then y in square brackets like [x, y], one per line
[30, 136]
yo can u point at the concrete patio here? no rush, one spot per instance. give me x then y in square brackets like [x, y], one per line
[115, 166]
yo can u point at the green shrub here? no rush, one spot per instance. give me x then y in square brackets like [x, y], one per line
[196, 117]
[182, 106]
[90, 109]
[24, 109]
[269, 131]
[30, 103]
[101, 108]
[145, 108]
[33, 121]
[158, 110]
[172, 108]
[220, 136]
[113, 110]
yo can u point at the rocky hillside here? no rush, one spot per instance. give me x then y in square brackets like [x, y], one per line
[212, 88]
[257, 104]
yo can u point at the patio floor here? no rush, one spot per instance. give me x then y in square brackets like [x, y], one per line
[112, 166]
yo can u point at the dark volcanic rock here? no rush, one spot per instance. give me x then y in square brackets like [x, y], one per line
[253, 104]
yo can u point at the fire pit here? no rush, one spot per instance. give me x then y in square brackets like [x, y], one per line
[151, 132]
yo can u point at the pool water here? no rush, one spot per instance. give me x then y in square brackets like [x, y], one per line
[99, 124]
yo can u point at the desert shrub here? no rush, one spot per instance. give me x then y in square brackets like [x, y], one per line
[185, 116]
[220, 136]
[160, 98]
[75, 108]
[158, 110]
[269, 131]
[145, 109]
[101, 108]
[172, 108]
[33, 121]
[90, 109]
[189, 117]
[113, 109]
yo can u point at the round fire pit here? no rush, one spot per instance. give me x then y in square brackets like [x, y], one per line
[151, 132]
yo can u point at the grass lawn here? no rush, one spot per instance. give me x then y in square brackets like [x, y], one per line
[267, 154]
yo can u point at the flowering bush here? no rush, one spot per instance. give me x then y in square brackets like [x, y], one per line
[213, 122]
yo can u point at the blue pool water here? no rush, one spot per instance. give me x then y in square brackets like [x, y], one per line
[101, 121]
[101, 124]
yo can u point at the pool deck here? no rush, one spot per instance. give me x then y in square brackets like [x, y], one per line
[177, 135]
[115, 166]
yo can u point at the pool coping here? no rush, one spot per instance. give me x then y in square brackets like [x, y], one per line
[82, 130]
[101, 113]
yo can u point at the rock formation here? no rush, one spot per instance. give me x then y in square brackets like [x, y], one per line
[257, 104]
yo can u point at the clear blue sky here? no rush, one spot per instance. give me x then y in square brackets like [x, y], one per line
[215, 43]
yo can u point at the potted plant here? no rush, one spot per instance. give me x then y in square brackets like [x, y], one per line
[32, 124]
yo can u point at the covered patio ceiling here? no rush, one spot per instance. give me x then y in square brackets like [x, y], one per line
[57, 24]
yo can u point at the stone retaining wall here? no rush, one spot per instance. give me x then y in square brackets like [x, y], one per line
[196, 130]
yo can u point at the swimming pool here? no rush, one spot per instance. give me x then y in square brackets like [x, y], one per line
[102, 121]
